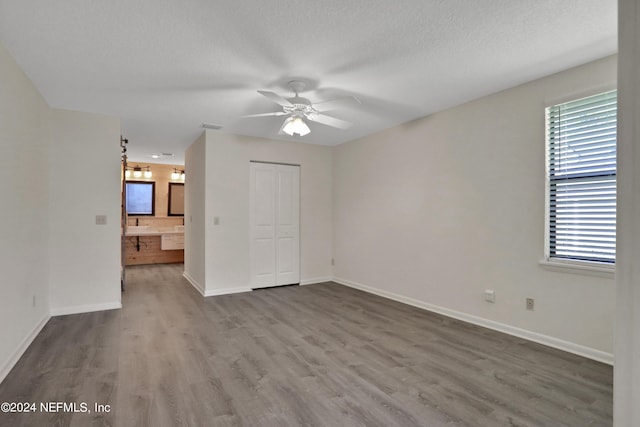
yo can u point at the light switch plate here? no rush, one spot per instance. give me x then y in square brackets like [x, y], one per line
[490, 295]
[101, 219]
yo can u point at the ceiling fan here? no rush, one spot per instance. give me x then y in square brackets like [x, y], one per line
[298, 109]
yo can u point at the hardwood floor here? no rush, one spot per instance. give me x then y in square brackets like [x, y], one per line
[319, 355]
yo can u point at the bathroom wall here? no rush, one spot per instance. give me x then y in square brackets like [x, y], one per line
[146, 249]
[161, 175]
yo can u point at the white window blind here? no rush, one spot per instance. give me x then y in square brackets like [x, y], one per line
[581, 167]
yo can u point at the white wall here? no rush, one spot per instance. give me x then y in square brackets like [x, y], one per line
[59, 170]
[627, 365]
[437, 210]
[23, 224]
[194, 217]
[84, 181]
[227, 197]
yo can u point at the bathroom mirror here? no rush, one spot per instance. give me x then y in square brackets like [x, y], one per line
[141, 197]
[176, 199]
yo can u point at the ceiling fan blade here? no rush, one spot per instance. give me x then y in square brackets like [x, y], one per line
[275, 98]
[333, 104]
[276, 113]
[329, 121]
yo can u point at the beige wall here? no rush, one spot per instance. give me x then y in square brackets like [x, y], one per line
[437, 210]
[161, 175]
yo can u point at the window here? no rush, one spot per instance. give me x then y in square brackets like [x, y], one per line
[141, 197]
[581, 172]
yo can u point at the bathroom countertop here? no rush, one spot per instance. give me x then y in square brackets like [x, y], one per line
[144, 230]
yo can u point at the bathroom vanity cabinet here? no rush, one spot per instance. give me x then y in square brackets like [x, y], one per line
[156, 242]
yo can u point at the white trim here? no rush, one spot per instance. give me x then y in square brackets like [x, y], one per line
[547, 340]
[24, 345]
[579, 267]
[226, 291]
[213, 292]
[315, 280]
[194, 283]
[63, 311]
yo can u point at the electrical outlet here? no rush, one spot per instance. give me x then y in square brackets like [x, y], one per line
[333, 262]
[530, 304]
[34, 301]
[490, 295]
[101, 219]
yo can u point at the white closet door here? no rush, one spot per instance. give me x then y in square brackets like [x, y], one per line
[287, 224]
[263, 226]
[275, 224]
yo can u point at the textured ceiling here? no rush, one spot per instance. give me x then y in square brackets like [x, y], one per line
[166, 66]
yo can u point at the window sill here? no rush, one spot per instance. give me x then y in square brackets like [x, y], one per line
[579, 267]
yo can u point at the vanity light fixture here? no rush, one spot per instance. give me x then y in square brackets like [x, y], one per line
[138, 172]
[176, 174]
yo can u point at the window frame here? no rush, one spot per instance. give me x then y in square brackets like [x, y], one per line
[568, 264]
[153, 197]
[178, 187]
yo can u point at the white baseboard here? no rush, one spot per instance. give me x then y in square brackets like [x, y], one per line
[213, 292]
[547, 340]
[226, 291]
[193, 282]
[26, 342]
[315, 280]
[63, 311]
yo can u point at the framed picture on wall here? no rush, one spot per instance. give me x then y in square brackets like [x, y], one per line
[176, 199]
[141, 197]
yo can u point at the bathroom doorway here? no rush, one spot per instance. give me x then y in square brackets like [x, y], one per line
[153, 214]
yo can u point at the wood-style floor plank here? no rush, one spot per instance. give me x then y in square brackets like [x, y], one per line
[320, 355]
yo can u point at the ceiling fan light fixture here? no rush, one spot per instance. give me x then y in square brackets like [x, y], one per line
[298, 110]
[295, 125]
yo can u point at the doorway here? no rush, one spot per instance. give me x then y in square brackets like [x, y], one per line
[275, 224]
